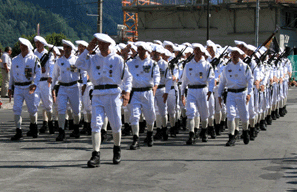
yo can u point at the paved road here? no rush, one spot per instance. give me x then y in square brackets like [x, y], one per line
[267, 164]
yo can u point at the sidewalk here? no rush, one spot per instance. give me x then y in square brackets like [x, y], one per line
[6, 104]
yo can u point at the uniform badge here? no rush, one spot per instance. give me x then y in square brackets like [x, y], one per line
[137, 75]
[230, 75]
[17, 66]
[98, 73]
[136, 66]
[230, 71]
[201, 75]
[239, 69]
[27, 65]
[62, 64]
[146, 68]
[162, 72]
[110, 66]
[190, 69]
[98, 67]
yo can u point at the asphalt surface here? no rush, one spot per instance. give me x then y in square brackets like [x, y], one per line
[267, 164]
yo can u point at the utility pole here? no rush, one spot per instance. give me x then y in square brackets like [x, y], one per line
[208, 15]
[257, 23]
[99, 19]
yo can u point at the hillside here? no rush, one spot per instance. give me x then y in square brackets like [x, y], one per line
[69, 17]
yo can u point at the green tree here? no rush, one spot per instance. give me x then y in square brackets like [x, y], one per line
[55, 39]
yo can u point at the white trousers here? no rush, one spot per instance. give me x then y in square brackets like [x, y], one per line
[197, 101]
[71, 94]
[162, 107]
[32, 101]
[237, 100]
[45, 95]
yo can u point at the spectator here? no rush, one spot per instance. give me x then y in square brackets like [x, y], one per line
[5, 68]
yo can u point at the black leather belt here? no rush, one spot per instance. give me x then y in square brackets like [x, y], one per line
[43, 78]
[68, 84]
[161, 86]
[108, 86]
[23, 84]
[172, 87]
[142, 89]
[196, 86]
[80, 81]
[179, 83]
[236, 90]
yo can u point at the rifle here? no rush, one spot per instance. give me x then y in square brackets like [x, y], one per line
[271, 58]
[216, 61]
[46, 56]
[284, 54]
[249, 58]
[174, 61]
[131, 57]
[262, 57]
[188, 59]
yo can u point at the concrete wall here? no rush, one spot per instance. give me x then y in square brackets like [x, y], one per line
[225, 25]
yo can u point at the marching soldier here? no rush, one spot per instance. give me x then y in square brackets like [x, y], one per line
[237, 77]
[68, 75]
[107, 72]
[43, 88]
[198, 75]
[25, 75]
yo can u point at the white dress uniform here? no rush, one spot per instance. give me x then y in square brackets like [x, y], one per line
[199, 77]
[68, 75]
[164, 87]
[238, 79]
[25, 71]
[146, 75]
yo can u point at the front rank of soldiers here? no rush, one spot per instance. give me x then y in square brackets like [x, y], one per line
[142, 85]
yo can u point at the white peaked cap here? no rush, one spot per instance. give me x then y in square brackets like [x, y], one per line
[159, 49]
[251, 47]
[60, 47]
[240, 43]
[105, 38]
[122, 46]
[188, 50]
[209, 43]
[167, 53]
[69, 43]
[144, 45]
[231, 49]
[168, 43]
[82, 42]
[26, 42]
[157, 42]
[187, 44]
[41, 40]
[55, 49]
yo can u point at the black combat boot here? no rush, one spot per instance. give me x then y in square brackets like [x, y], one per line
[103, 135]
[196, 132]
[51, 127]
[285, 109]
[44, 127]
[172, 131]
[236, 135]
[269, 120]
[30, 133]
[165, 133]
[89, 129]
[34, 130]
[95, 160]
[277, 113]
[71, 124]
[116, 154]
[203, 135]
[217, 129]
[252, 133]
[257, 129]
[262, 125]
[150, 140]
[18, 135]
[56, 126]
[158, 135]
[135, 143]
[222, 126]
[127, 129]
[184, 123]
[61, 135]
[273, 115]
[231, 141]
[75, 133]
[191, 139]
[177, 126]
[211, 132]
[66, 125]
[282, 112]
[246, 136]
[84, 130]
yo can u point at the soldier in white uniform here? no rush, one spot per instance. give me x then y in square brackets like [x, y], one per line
[162, 93]
[44, 86]
[146, 78]
[198, 75]
[68, 75]
[237, 77]
[107, 72]
[25, 76]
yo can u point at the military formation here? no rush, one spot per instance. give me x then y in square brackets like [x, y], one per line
[153, 87]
